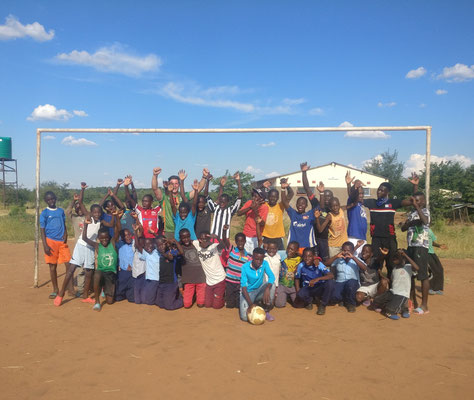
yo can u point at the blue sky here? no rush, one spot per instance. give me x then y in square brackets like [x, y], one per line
[232, 64]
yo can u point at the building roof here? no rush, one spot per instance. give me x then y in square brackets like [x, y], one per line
[324, 165]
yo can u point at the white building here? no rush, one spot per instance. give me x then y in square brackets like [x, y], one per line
[333, 177]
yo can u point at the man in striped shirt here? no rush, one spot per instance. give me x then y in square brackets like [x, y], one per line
[222, 212]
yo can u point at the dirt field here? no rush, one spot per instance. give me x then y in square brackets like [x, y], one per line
[141, 352]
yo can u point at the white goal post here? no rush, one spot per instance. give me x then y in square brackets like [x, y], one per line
[39, 131]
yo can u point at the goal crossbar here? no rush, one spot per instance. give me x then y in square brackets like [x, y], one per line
[39, 131]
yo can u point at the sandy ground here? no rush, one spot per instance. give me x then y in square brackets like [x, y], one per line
[128, 351]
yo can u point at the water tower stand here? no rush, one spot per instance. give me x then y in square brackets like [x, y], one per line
[7, 168]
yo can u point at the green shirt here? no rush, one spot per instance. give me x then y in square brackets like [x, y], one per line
[107, 258]
[168, 212]
[432, 238]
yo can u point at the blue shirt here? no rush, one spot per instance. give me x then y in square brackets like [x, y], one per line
[252, 279]
[301, 227]
[53, 221]
[346, 270]
[108, 218]
[307, 273]
[357, 217]
[187, 223]
[125, 254]
[152, 261]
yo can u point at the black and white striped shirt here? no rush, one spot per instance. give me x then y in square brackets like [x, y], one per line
[222, 216]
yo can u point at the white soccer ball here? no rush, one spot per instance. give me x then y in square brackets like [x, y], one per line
[257, 315]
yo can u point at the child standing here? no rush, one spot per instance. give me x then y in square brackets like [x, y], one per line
[312, 281]
[357, 227]
[395, 300]
[105, 275]
[286, 284]
[337, 226]
[124, 288]
[54, 237]
[193, 278]
[346, 270]
[238, 256]
[254, 210]
[437, 282]
[211, 264]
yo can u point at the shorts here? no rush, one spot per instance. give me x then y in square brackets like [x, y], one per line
[250, 244]
[420, 256]
[83, 256]
[277, 241]
[107, 281]
[59, 252]
[370, 290]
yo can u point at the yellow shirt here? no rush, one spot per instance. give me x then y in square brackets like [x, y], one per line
[337, 230]
[274, 224]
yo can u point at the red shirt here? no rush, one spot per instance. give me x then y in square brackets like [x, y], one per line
[149, 219]
[250, 227]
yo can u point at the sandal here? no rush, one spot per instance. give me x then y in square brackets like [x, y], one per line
[53, 295]
[420, 311]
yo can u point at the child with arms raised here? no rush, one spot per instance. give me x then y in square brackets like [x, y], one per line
[105, 274]
[185, 216]
[54, 238]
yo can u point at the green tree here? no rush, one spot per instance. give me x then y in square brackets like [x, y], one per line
[231, 186]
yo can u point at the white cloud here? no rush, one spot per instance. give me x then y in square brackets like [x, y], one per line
[49, 112]
[272, 174]
[389, 105]
[316, 111]
[363, 134]
[14, 29]
[80, 113]
[416, 162]
[72, 141]
[112, 59]
[422, 105]
[223, 97]
[252, 170]
[269, 144]
[367, 163]
[440, 92]
[457, 73]
[416, 73]
[49, 137]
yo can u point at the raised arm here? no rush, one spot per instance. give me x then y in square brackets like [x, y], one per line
[154, 184]
[102, 200]
[195, 197]
[239, 185]
[222, 183]
[182, 175]
[116, 199]
[304, 168]
[127, 181]
[415, 181]
[117, 186]
[172, 203]
[81, 199]
[349, 181]
[206, 187]
[284, 198]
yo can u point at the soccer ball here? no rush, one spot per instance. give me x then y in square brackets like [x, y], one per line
[257, 315]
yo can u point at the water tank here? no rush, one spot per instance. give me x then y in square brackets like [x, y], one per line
[5, 148]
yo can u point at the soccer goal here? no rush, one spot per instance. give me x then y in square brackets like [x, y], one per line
[39, 131]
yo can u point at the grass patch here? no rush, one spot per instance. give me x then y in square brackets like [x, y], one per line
[17, 228]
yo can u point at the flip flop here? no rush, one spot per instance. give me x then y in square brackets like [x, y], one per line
[406, 314]
[57, 301]
[53, 295]
[420, 311]
[96, 307]
[89, 300]
[392, 316]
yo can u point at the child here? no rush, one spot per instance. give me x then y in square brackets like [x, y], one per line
[124, 287]
[185, 216]
[337, 226]
[346, 270]
[147, 214]
[395, 300]
[222, 212]
[418, 241]
[105, 274]
[312, 281]
[254, 290]
[168, 296]
[54, 237]
[211, 264]
[203, 212]
[254, 210]
[437, 282]
[237, 256]
[83, 254]
[274, 261]
[372, 282]
[76, 217]
[301, 221]
[274, 231]
[150, 255]
[110, 207]
[138, 267]
[192, 275]
[286, 284]
[357, 227]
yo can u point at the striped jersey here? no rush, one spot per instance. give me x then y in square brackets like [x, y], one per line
[234, 264]
[222, 216]
[382, 216]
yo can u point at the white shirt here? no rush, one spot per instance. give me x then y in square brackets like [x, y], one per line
[275, 265]
[211, 263]
[401, 281]
[92, 232]
[138, 265]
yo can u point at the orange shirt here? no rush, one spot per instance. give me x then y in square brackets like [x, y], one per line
[337, 230]
[274, 224]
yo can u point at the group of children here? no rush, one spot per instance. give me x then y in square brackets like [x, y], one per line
[179, 252]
